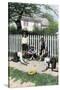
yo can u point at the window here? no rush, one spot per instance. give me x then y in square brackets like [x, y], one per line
[25, 23]
[36, 24]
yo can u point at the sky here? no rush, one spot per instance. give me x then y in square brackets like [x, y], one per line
[56, 10]
[54, 7]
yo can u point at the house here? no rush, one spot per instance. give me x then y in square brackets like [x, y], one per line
[28, 23]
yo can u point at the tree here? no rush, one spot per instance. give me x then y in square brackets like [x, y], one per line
[53, 25]
[49, 8]
[17, 10]
[20, 9]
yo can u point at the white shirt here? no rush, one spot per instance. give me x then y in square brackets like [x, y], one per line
[47, 59]
[24, 40]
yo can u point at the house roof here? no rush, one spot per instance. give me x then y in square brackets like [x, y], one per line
[43, 21]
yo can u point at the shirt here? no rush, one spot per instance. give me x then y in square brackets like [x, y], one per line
[24, 40]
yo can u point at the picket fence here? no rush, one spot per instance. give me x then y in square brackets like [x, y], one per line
[14, 43]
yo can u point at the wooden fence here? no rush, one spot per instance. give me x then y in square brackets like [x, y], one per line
[51, 42]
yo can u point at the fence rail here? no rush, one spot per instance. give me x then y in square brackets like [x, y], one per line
[51, 42]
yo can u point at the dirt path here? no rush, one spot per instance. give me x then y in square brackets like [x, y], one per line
[39, 66]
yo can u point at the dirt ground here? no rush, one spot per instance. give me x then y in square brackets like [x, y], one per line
[38, 65]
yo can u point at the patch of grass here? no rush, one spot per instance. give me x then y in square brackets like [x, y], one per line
[38, 79]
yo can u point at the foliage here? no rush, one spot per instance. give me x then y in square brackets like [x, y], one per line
[52, 27]
[17, 10]
[36, 30]
[47, 7]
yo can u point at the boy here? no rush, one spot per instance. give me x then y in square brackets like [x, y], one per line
[42, 50]
[24, 43]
